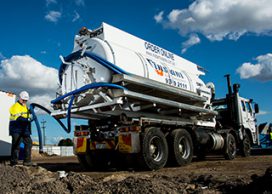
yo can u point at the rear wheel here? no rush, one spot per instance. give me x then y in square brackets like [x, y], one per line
[154, 149]
[246, 146]
[83, 162]
[180, 147]
[230, 147]
[99, 159]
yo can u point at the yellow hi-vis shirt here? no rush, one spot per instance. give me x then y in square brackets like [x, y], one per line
[18, 110]
[270, 136]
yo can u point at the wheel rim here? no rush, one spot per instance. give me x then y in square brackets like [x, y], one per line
[155, 149]
[184, 148]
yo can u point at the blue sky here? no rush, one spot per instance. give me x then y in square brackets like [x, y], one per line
[222, 36]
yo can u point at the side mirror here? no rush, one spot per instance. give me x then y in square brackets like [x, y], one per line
[256, 108]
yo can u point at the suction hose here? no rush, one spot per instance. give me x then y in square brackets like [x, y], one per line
[35, 119]
[78, 91]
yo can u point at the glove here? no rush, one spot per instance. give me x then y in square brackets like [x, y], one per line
[31, 118]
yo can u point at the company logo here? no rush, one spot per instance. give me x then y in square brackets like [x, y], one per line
[159, 69]
[172, 77]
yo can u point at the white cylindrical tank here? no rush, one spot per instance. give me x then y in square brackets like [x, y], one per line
[134, 56]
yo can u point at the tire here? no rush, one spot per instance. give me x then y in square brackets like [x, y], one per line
[99, 159]
[180, 147]
[230, 147]
[83, 162]
[154, 151]
[246, 146]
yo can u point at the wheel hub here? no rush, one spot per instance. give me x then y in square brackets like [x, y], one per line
[180, 148]
[155, 149]
[183, 148]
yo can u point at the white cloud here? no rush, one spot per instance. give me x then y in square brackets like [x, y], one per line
[224, 19]
[76, 16]
[159, 17]
[262, 70]
[25, 73]
[53, 16]
[193, 40]
[263, 113]
[248, 70]
[2, 56]
[49, 2]
[80, 2]
[173, 16]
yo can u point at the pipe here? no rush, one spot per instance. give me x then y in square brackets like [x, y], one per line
[31, 109]
[35, 119]
[98, 59]
[80, 90]
[229, 84]
[69, 112]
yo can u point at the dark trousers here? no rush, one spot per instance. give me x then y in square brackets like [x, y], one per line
[15, 147]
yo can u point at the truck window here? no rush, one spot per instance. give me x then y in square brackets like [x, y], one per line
[220, 107]
[243, 105]
[248, 107]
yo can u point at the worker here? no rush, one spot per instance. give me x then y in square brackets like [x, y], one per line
[269, 131]
[20, 129]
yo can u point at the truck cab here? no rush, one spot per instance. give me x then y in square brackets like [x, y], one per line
[238, 113]
[248, 117]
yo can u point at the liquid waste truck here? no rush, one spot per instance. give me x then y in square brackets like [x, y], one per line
[146, 105]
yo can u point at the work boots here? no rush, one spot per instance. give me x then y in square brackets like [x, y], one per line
[13, 163]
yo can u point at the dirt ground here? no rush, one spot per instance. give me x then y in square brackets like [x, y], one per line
[214, 175]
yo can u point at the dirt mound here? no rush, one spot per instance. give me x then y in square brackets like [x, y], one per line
[12, 179]
[123, 183]
[37, 180]
[20, 179]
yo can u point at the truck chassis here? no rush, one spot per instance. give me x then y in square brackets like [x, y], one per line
[154, 122]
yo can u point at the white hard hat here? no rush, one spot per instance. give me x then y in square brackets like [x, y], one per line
[24, 95]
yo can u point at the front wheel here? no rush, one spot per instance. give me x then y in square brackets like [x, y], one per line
[230, 147]
[246, 146]
[154, 149]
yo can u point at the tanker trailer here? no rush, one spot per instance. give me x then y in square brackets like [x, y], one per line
[141, 101]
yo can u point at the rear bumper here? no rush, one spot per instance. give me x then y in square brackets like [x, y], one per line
[84, 144]
[126, 142]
